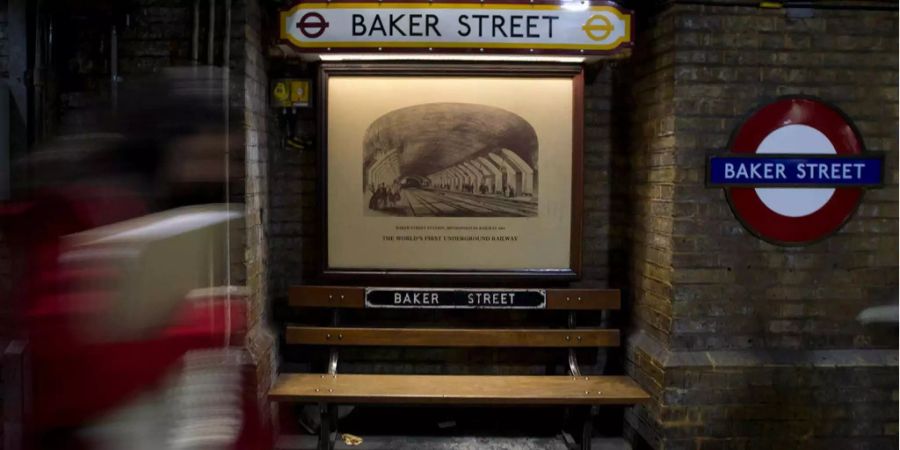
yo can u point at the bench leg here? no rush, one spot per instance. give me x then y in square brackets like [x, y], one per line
[587, 430]
[328, 426]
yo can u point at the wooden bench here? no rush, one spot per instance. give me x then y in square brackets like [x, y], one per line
[330, 389]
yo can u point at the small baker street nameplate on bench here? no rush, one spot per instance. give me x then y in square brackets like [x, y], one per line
[444, 298]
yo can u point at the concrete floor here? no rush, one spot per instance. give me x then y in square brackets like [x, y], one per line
[449, 443]
[457, 428]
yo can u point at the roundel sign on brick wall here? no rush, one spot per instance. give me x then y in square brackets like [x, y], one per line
[796, 171]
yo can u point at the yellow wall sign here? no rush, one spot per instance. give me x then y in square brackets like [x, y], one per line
[571, 27]
[290, 93]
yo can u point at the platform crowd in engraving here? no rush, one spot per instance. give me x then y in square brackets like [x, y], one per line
[450, 159]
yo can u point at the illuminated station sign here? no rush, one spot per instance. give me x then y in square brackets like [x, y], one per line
[592, 28]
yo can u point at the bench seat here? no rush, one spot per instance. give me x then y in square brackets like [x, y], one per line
[458, 389]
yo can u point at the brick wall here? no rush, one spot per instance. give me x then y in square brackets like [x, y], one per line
[596, 242]
[645, 154]
[727, 62]
[754, 345]
[294, 216]
[159, 35]
[259, 134]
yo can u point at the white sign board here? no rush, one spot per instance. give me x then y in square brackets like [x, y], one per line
[572, 27]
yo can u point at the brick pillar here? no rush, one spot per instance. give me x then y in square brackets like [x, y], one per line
[257, 131]
[741, 343]
[646, 96]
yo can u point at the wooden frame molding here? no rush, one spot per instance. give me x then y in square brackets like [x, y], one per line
[574, 72]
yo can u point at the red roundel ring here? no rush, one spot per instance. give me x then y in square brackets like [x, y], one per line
[746, 203]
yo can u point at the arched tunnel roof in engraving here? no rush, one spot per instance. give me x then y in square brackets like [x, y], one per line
[433, 136]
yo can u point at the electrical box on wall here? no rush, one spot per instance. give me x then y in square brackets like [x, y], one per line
[291, 93]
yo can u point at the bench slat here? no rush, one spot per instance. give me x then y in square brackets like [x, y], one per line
[456, 337]
[458, 389]
[354, 297]
[583, 299]
[327, 297]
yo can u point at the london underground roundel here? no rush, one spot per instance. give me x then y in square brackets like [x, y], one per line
[796, 171]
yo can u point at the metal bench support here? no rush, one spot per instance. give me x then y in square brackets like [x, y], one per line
[327, 411]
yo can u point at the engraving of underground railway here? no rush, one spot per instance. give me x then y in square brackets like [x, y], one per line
[450, 160]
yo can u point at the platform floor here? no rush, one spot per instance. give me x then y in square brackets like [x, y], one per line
[395, 427]
[448, 443]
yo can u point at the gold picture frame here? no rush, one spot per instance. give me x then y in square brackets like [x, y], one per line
[451, 171]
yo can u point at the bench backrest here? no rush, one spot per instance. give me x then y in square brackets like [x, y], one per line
[343, 297]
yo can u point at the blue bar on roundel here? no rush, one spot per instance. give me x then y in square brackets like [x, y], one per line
[795, 171]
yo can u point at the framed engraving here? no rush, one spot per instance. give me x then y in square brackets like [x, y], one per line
[448, 171]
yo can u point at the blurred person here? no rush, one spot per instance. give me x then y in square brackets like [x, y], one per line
[164, 149]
